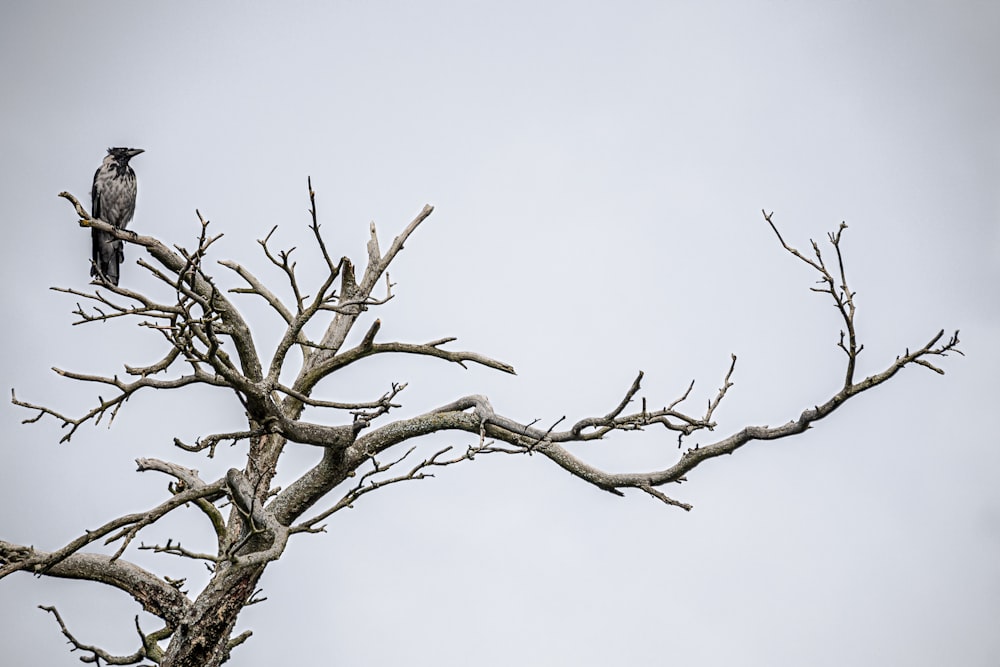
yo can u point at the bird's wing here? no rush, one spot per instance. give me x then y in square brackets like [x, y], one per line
[95, 200]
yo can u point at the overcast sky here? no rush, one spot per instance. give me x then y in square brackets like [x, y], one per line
[598, 172]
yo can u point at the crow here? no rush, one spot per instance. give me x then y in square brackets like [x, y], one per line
[113, 201]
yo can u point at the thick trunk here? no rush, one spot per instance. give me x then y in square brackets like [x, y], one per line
[202, 640]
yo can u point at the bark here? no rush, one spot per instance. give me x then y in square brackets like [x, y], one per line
[202, 638]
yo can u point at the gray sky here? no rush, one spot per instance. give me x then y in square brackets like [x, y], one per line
[598, 171]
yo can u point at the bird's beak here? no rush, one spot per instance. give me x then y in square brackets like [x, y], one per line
[132, 152]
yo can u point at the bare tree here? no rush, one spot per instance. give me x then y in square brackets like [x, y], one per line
[209, 342]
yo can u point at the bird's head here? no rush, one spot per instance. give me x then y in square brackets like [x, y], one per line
[123, 155]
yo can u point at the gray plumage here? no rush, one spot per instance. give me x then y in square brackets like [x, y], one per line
[113, 201]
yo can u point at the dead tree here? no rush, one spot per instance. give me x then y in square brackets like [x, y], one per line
[209, 342]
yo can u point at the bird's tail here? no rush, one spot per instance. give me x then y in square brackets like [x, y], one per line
[108, 255]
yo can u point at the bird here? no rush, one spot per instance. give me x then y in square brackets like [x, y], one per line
[113, 201]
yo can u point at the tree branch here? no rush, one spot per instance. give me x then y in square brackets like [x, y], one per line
[189, 479]
[126, 389]
[96, 654]
[154, 594]
[369, 348]
[127, 526]
[200, 285]
[368, 481]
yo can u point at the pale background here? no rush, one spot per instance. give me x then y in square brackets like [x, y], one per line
[598, 171]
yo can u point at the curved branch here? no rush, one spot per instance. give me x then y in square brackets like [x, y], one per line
[154, 594]
[695, 456]
[158, 367]
[549, 443]
[96, 653]
[258, 288]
